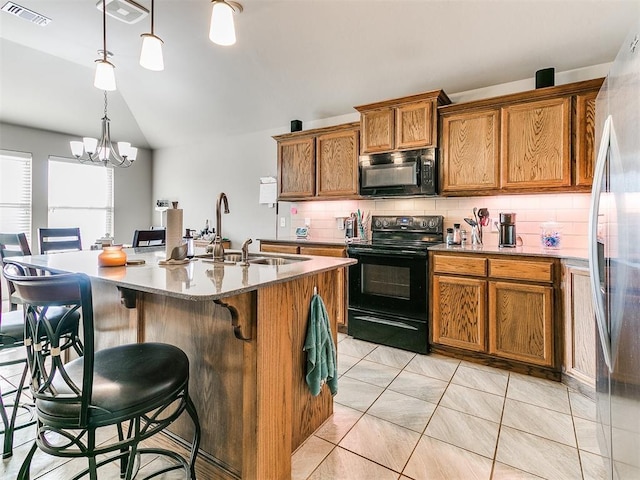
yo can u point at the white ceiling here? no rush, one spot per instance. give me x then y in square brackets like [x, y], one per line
[294, 59]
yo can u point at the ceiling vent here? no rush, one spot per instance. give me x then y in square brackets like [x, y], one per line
[126, 11]
[26, 14]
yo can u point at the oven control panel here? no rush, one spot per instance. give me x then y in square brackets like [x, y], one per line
[409, 223]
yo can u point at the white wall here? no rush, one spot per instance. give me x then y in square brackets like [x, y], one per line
[132, 194]
[194, 176]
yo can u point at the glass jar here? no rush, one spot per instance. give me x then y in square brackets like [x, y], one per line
[550, 235]
[449, 236]
[112, 256]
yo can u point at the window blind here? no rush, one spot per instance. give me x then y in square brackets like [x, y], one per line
[15, 193]
[81, 195]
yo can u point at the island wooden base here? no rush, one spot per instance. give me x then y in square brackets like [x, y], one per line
[251, 396]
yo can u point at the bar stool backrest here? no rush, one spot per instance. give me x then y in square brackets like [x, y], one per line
[149, 238]
[59, 239]
[49, 379]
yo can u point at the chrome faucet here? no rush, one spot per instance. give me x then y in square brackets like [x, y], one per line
[218, 248]
[244, 259]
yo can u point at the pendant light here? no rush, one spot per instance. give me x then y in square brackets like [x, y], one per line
[105, 78]
[222, 31]
[151, 54]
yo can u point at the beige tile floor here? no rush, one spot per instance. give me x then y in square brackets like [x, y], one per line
[399, 415]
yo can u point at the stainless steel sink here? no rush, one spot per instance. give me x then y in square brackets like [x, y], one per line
[256, 258]
[275, 260]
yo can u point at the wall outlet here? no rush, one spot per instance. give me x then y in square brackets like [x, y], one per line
[492, 223]
[307, 222]
[283, 221]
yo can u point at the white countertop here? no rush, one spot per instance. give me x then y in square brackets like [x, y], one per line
[562, 253]
[197, 280]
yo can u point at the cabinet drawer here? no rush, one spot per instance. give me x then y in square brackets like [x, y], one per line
[278, 248]
[462, 265]
[324, 251]
[521, 270]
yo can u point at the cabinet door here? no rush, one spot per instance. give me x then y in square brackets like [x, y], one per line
[296, 168]
[521, 322]
[337, 163]
[579, 326]
[584, 143]
[415, 125]
[470, 152]
[377, 130]
[535, 150]
[459, 312]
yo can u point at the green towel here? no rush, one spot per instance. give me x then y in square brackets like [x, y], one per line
[321, 351]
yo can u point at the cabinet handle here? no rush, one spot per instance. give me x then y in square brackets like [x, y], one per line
[594, 265]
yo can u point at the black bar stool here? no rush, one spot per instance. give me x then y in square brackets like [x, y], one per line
[11, 342]
[139, 388]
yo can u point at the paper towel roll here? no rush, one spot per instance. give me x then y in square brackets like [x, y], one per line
[174, 230]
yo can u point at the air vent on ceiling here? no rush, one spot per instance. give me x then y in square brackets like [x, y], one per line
[26, 14]
[126, 11]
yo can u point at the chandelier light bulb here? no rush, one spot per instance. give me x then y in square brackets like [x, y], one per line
[105, 78]
[151, 54]
[90, 144]
[222, 31]
[77, 148]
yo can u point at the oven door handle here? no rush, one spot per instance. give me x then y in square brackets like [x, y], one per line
[367, 318]
[383, 251]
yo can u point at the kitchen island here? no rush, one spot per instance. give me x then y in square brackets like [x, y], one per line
[243, 329]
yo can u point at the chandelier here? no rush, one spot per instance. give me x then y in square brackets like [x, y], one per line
[102, 150]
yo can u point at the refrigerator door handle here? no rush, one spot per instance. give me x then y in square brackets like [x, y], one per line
[594, 266]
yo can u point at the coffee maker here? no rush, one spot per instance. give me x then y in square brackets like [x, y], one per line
[507, 230]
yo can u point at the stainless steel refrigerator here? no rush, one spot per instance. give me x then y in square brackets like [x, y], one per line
[614, 261]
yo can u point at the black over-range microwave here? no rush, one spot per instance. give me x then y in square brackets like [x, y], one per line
[411, 172]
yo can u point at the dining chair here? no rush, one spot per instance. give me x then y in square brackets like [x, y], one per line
[11, 342]
[149, 238]
[59, 239]
[139, 388]
[11, 245]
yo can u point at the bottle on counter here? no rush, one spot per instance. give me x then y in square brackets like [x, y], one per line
[188, 240]
[456, 234]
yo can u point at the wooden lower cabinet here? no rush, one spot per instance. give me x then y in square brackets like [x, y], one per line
[459, 313]
[499, 310]
[579, 365]
[521, 322]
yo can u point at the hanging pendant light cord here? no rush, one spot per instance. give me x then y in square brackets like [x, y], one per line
[152, 10]
[104, 31]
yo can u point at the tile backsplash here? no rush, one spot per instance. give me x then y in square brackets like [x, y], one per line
[571, 210]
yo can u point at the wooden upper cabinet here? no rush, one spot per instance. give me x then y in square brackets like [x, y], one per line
[536, 141]
[322, 162]
[536, 144]
[296, 168]
[402, 123]
[470, 151]
[337, 163]
[377, 131]
[415, 125]
[584, 140]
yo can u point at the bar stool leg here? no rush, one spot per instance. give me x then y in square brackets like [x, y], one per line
[9, 425]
